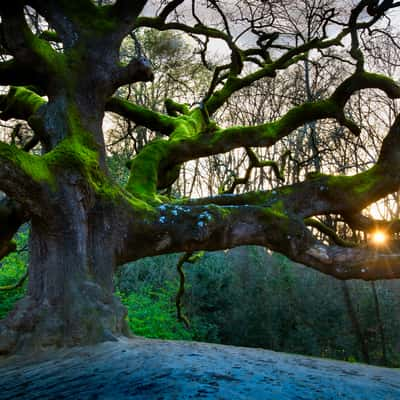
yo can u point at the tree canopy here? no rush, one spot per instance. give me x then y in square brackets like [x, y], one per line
[64, 67]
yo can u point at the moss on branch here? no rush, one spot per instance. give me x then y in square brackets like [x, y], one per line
[141, 115]
[143, 180]
[157, 165]
[19, 162]
[363, 80]
[357, 191]
[174, 109]
[20, 103]
[326, 230]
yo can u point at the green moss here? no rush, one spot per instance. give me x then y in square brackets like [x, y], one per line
[144, 169]
[90, 16]
[36, 168]
[54, 61]
[20, 103]
[271, 132]
[278, 209]
[27, 97]
[276, 213]
[307, 112]
[103, 23]
[173, 108]
[71, 152]
[183, 131]
[285, 190]
[276, 219]
[220, 96]
[222, 212]
[359, 184]
[31, 165]
[50, 36]
[314, 175]
[75, 154]
[142, 115]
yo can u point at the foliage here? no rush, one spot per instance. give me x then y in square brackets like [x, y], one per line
[151, 314]
[248, 297]
[12, 268]
[148, 289]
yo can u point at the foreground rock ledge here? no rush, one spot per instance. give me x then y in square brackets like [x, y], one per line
[155, 369]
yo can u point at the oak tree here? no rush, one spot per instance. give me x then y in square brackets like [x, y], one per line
[62, 80]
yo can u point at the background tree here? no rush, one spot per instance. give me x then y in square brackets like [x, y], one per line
[84, 225]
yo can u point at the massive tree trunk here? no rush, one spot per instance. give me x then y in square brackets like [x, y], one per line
[70, 296]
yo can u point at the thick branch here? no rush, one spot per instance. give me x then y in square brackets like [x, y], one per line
[20, 103]
[169, 8]
[24, 177]
[320, 194]
[194, 136]
[269, 133]
[125, 12]
[353, 263]
[177, 228]
[198, 29]
[138, 70]
[362, 223]
[29, 51]
[326, 230]
[142, 115]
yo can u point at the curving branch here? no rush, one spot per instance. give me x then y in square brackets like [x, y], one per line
[20, 103]
[254, 162]
[24, 177]
[363, 223]
[181, 291]
[169, 8]
[138, 70]
[194, 136]
[31, 54]
[232, 81]
[188, 228]
[366, 263]
[125, 14]
[326, 230]
[142, 115]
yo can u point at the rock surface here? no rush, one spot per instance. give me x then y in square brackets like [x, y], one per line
[155, 369]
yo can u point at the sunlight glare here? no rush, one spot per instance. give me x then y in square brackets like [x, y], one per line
[379, 238]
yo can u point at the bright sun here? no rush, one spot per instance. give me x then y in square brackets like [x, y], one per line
[379, 237]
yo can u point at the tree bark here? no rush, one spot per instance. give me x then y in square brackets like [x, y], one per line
[70, 296]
